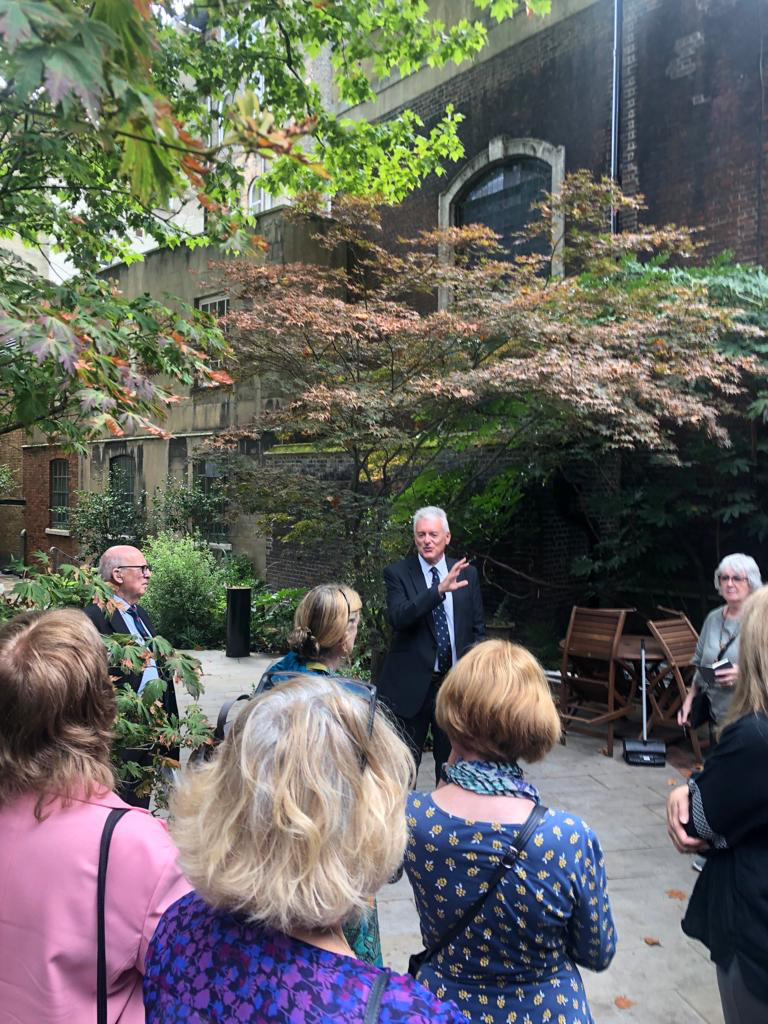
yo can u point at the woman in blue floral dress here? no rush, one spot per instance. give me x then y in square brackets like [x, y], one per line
[286, 835]
[516, 962]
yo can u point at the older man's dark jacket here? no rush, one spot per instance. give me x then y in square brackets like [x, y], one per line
[406, 676]
[115, 623]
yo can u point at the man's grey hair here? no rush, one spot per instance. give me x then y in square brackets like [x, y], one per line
[431, 512]
[743, 564]
[108, 562]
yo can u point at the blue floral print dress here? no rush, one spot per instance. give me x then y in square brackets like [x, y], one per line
[516, 962]
[205, 966]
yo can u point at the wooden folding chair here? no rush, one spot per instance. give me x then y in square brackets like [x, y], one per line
[588, 696]
[669, 681]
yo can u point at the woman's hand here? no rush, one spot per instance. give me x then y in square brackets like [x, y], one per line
[684, 712]
[678, 811]
[726, 676]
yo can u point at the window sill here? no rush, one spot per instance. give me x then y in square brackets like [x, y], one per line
[219, 546]
[54, 531]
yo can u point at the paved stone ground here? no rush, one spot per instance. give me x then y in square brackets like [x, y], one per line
[670, 983]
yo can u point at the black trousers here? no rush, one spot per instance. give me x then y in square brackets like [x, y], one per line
[415, 729]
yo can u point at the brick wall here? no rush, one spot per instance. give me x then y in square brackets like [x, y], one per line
[36, 472]
[694, 113]
[11, 502]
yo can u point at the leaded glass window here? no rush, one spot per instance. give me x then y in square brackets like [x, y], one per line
[59, 493]
[122, 477]
[502, 198]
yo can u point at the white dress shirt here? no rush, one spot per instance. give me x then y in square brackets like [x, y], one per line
[442, 569]
[150, 672]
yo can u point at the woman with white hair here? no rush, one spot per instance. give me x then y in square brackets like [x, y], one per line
[723, 809]
[287, 834]
[736, 578]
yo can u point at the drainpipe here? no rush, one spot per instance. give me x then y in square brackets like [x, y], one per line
[616, 101]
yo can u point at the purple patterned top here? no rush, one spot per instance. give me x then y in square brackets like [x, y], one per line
[204, 965]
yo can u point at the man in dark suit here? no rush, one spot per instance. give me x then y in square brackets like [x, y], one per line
[126, 568]
[436, 610]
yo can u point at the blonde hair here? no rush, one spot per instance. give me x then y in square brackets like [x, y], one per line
[322, 619]
[496, 702]
[750, 691]
[282, 824]
[57, 707]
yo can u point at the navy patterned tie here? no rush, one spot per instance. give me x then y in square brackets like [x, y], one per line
[133, 611]
[444, 653]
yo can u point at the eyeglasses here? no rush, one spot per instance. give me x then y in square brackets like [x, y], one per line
[145, 569]
[367, 691]
[725, 578]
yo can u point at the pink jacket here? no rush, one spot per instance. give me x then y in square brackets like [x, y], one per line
[48, 909]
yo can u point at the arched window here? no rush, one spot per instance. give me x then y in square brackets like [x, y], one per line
[502, 198]
[497, 188]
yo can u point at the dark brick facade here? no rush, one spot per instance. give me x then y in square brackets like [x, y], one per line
[693, 132]
[37, 490]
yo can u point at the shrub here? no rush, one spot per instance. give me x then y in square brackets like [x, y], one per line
[184, 594]
[272, 618]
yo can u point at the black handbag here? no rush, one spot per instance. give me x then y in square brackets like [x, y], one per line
[417, 960]
[699, 714]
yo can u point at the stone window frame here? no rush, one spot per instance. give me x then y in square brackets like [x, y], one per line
[500, 150]
[58, 483]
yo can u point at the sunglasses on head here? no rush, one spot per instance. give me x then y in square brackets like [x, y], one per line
[366, 691]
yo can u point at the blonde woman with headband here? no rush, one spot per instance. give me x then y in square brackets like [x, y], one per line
[324, 632]
[286, 835]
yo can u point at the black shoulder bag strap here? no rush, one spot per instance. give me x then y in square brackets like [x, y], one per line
[101, 887]
[373, 1005]
[417, 960]
[221, 722]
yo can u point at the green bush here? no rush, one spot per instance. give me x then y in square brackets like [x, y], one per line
[184, 596]
[272, 618]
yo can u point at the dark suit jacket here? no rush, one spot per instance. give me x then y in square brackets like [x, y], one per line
[407, 672]
[116, 624]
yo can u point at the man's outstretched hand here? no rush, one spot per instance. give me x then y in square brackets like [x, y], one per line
[451, 581]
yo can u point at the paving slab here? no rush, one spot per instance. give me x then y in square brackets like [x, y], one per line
[670, 983]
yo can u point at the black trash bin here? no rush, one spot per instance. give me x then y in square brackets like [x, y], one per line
[238, 622]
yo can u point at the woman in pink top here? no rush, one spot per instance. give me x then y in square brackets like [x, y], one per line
[57, 709]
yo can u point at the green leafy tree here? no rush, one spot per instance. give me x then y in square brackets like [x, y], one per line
[114, 114]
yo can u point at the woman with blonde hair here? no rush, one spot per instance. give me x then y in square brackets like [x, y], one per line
[724, 810]
[57, 712]
[511, 896]
[324, 632]
[287, 834]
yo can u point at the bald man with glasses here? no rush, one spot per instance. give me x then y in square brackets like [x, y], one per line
[126, 569]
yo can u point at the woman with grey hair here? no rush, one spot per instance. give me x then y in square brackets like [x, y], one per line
[736, 578]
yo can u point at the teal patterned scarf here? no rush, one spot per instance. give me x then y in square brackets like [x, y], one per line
[490, 778]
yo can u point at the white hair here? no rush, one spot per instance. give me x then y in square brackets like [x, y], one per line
[431, 512]
[742, 564]
[108, 562]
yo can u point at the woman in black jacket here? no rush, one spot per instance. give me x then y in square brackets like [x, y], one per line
[724, 810]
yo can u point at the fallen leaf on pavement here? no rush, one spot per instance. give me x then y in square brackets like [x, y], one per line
[677, 894]
[623, 1003]
[651, 941]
